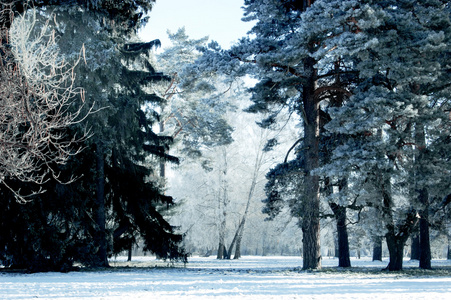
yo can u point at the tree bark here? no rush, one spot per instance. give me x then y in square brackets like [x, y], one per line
[425, 244]
[342, 234]
[397, 240]
[101, 259]
[222, 251]
[222, 208]
[377, 248]
[415, 246]
[395, 246]
[397, 234]
[310, 209]
[129, 258]
[423, 199]
[234, 240]
[162, 162]
[238, 245]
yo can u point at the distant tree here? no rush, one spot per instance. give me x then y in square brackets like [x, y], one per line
[195, 107]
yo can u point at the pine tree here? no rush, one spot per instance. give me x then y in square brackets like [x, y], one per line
[291, 56]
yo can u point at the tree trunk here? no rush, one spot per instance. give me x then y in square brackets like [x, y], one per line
[222, 207]
[395, 246]
[377, 249]
[342, 234]
[101, 259]
[342, 242]
[162, 162]
[238, 247]
[448, 254]
[425, 245]
[310, 210]
[397, 233]
[222, 251]
[130, 249]
[415, 246]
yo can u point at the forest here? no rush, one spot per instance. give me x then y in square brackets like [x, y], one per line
[323, 132]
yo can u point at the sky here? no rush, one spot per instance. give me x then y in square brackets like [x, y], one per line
[218, 19]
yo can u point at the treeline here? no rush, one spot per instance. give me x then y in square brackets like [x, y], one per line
[370, 82]
[367, 81]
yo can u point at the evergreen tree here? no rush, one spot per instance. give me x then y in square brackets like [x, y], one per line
[297, 72]
[118, 81]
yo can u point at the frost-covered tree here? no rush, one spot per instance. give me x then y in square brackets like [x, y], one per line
[194, 108]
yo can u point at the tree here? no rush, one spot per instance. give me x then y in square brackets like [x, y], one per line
[195, 107]
[119, 81]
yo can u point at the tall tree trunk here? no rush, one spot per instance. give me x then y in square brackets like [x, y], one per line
[310, 210]
[342, 242]
[377, 248]
[396, 240]
[415, 245]
[222, 251]
[423, 197]
[162, 162]
[235, 238]
[425, 244]
[257, 166]
[222, 207]
[100, 234]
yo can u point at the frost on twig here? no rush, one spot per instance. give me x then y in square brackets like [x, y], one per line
[37, 103]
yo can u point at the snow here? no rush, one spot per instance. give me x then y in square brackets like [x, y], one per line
[248, 278]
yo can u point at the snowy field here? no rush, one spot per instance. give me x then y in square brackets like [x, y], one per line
[248, 278]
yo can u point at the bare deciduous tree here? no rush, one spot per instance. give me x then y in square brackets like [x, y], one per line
[37, 103]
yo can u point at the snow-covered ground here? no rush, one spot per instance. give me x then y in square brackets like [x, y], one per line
[248, 278]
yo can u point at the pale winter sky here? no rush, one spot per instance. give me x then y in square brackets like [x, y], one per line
[218, 19]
